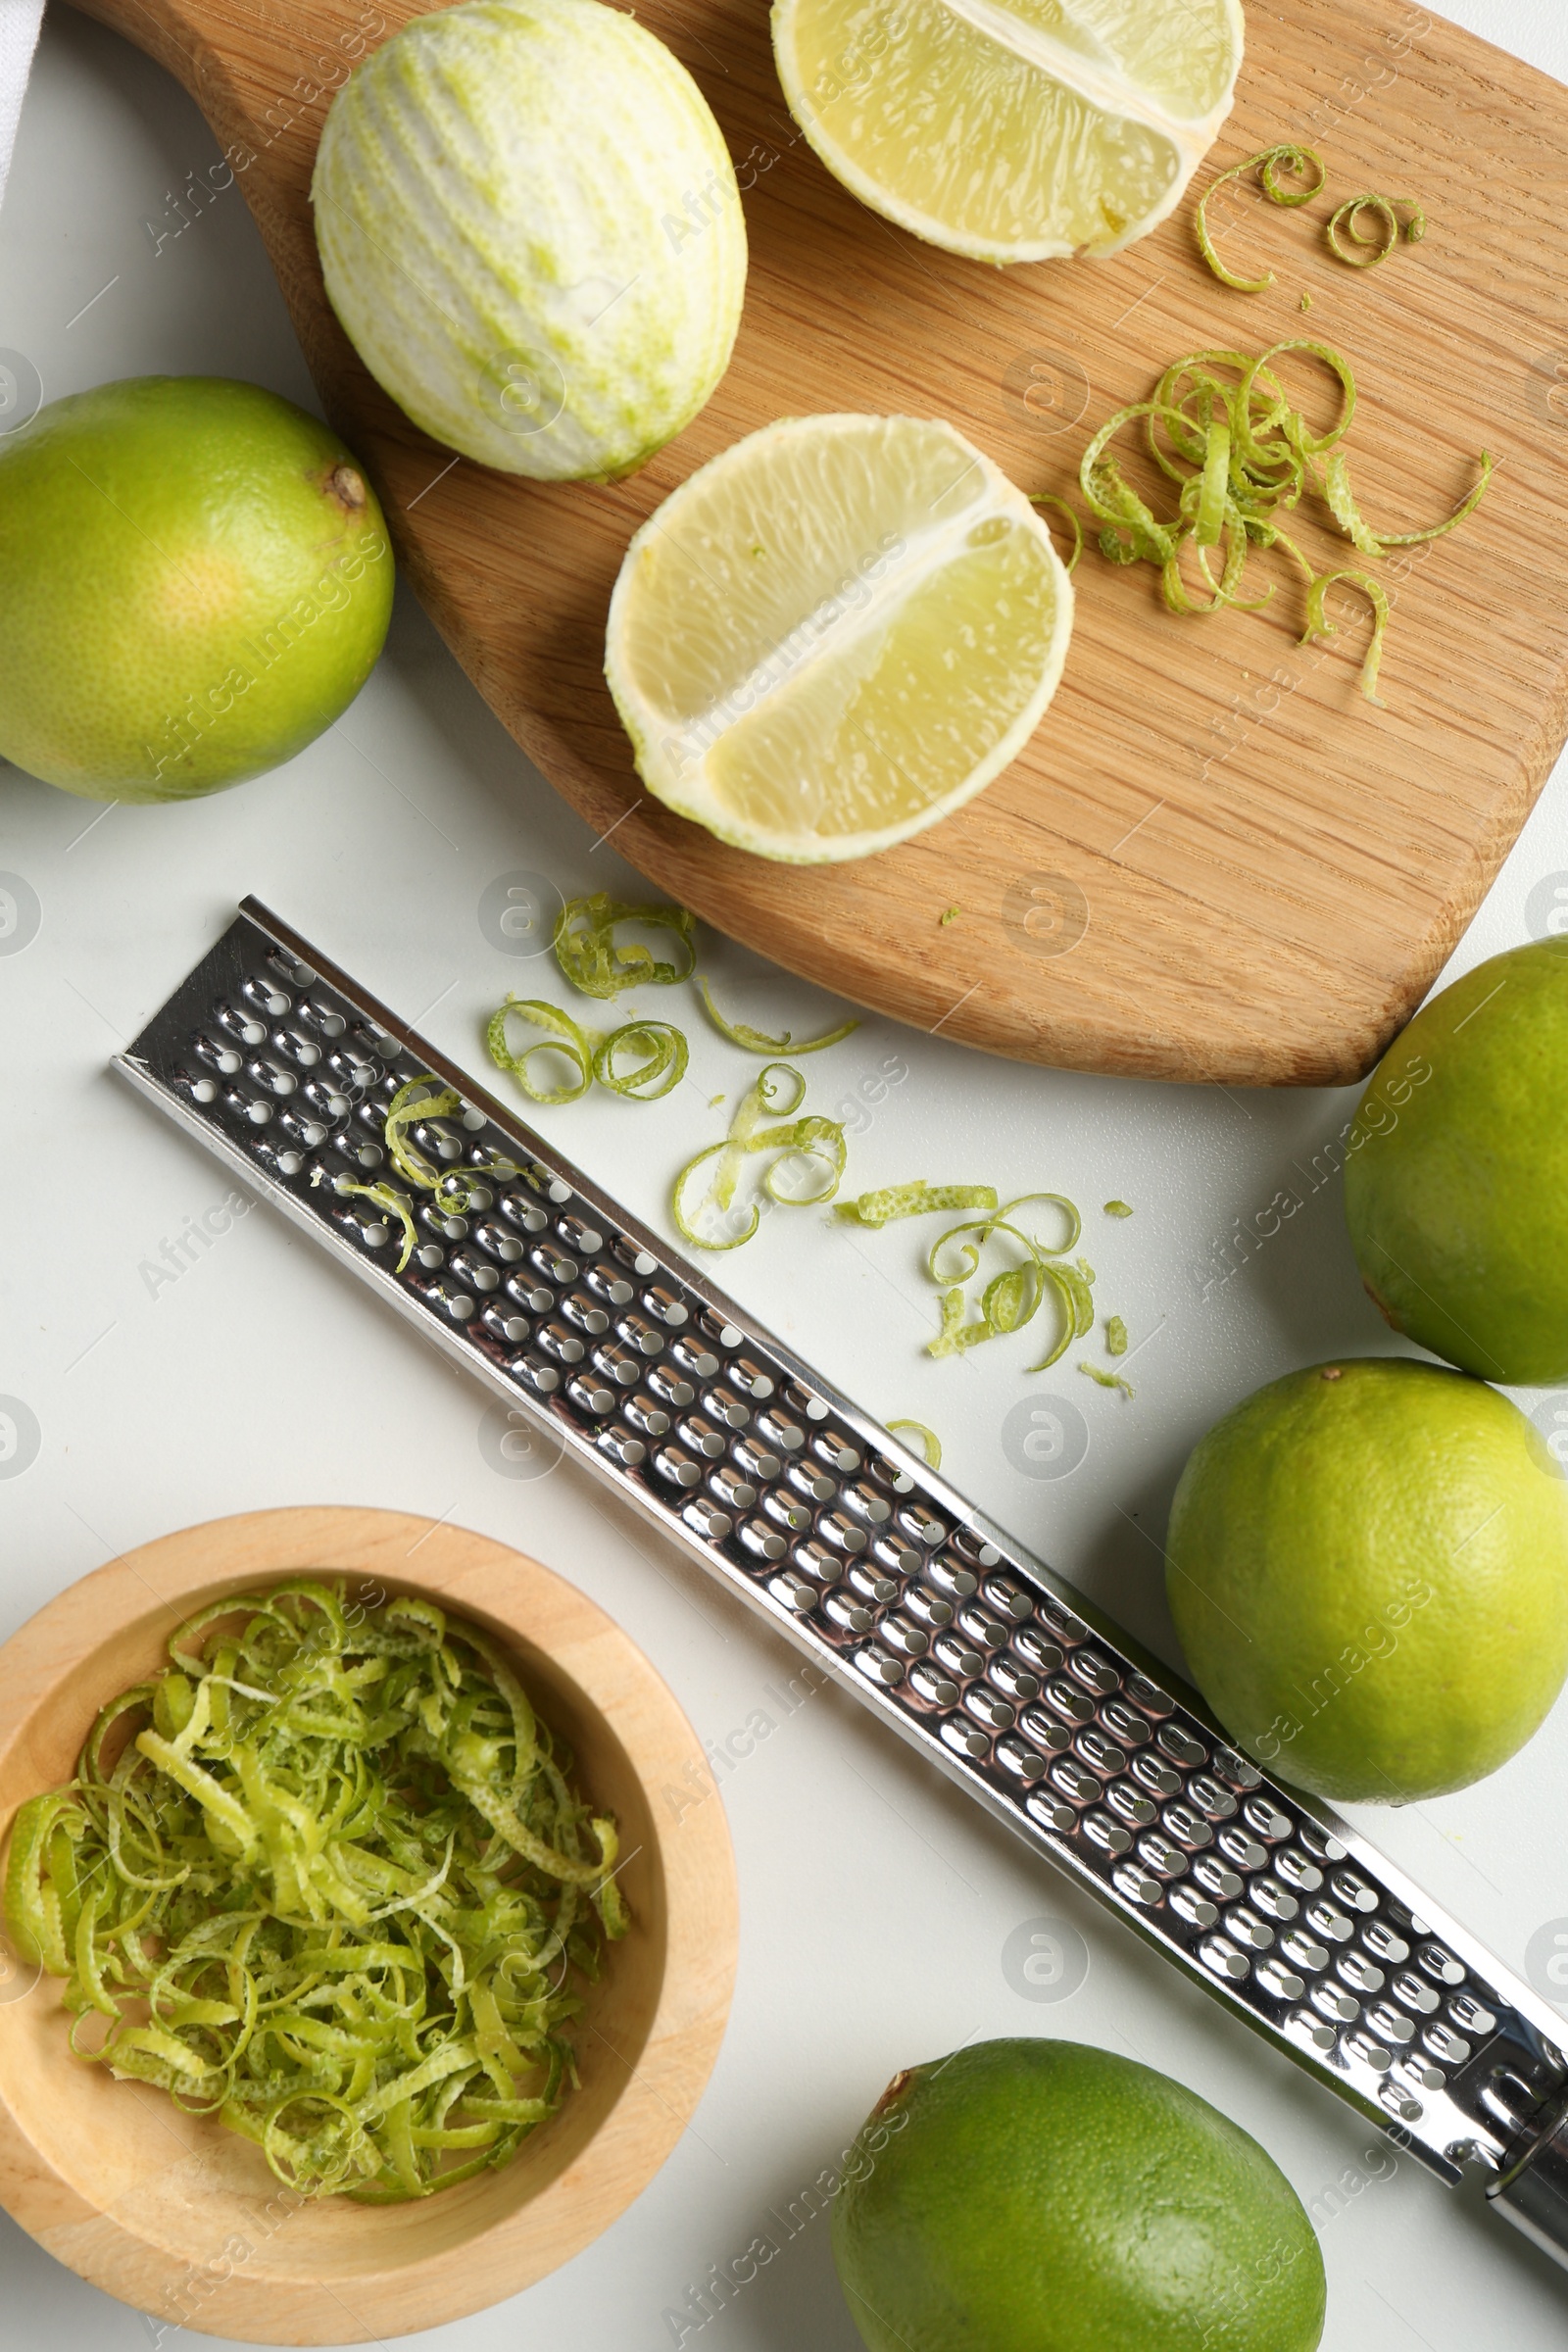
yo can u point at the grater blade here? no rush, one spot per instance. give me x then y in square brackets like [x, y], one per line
[976, 1654]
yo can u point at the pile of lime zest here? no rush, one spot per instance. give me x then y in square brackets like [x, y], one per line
[1221, 426]
[754, 1040]
[1117, 1209]
[598, 965]
[916, 1200]
[1109, 1380]
[1367, 248]
[325, 1877]
[1268, 166]
[1115, 1336]
[766, 1120]
[1047, 498]
[929, 1445]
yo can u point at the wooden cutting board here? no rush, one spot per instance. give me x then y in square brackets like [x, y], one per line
[1214, 860]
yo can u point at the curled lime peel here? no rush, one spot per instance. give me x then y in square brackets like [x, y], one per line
[664, 1056]
[1318, 623]
[1368, 247]
[562, 1035]
[765, 1121]
[599, 965]
[385, 1198]
[1223, 427]
[754, 1040]
[1108, 1380]
[928, 1444]
[333, 1886]
[1268, 165]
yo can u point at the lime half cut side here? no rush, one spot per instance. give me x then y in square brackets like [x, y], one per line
[1012, 131]
[835, 633]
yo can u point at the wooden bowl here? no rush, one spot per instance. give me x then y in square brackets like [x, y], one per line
[182, 2219]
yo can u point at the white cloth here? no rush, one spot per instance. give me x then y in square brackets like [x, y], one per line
[19, 38]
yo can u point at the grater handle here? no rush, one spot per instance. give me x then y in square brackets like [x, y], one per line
[1532, 2192]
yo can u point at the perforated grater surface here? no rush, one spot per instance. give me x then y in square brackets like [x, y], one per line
[980, 1657]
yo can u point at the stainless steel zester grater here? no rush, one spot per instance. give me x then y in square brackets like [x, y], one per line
[987, 1663]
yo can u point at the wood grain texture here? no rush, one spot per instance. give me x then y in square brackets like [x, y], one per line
[183, 2219]
[1213, 861]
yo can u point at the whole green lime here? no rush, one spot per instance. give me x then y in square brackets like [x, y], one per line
[195, 579]
[1367, 1564]
[1039, 2196]
[1457, 1182]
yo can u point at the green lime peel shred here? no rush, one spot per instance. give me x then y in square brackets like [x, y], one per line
[1223, 428]
[768, 1119]
[325, 1878]
[1348, 240]
[927, 1442]
[754, 1040]
[599, 965]
[1368, 247]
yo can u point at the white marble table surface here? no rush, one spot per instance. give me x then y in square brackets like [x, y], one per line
[880, 1911]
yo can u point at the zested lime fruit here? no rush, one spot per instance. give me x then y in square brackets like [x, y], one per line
[530, 229]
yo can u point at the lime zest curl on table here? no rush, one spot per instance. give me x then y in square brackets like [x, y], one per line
[331, 1890]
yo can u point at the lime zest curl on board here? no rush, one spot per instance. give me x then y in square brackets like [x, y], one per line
[1366, 249]
[1268, 166]
[1222, 426]
[1109, 1380]
[598, 965]
[766, 1120]
[754, 1041]
[330, 1889]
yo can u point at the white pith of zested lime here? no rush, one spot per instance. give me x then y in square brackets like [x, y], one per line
[530, 229]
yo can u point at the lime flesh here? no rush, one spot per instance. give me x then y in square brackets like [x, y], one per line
[835, 633]
[1457, 1182]
[1040, 2197]
[1367, 1565]
[196, 580]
